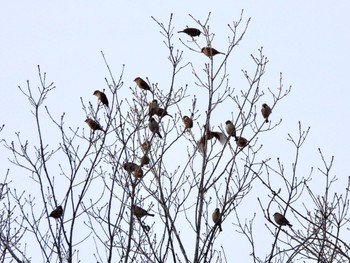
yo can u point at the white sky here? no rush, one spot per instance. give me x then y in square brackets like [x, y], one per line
[306, 40]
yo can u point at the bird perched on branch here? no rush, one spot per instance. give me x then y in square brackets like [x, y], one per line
[94, 125]
[266, 111]
[153, 108]
[139, 212]
[216, 216]
[162, 112]
[144, 160]
[102, 97]
[208, 136]
[146, 145]
[241, 142]
[188, 122]
[142, 84]
[57, 212]
[154, 127]
[134, 169]
[210, 52]
[281, 220]
[230, 129]
[191, 31]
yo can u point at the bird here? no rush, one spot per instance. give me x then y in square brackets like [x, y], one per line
[102, 97]
[145, 145]
[162, 112]
[153, 126]
[230, 129]
[188, 122]
[57, 212]
[153, 108]
[210, 135]
[134, 169]
[281, 220]
[142, 84]
[144, 160]
[93, 124]
[241, 142]
[216, 216]
[266, 111]
[210, 52]
[139, 212]
[191, 31]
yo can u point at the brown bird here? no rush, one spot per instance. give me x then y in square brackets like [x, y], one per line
[142, 84]
[281, 220]
[162, 112]
[139, 212]
[210, 135]
[102, 97]
[153, 108]
[154, 127]
[266, 111]
[93, 124]
[210, 52]
[144, 160]
[134, 169]
[230, 129]
[241, 142]
[188, 122]
[57, 213]
[216, 216]
[146, 145]
[192, 32]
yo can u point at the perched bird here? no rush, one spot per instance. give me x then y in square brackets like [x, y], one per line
[216, 216]
[188, 122]
[266, 111]
[146, 145]
[210, 135]
[57, 213]
[230, 129]
[142, 84]
[281, 220]
[93, 124]
[153, 108]
[210, 52]
[241, 142]
[144, 160]
[153, 126]
[192, 32]
[102, 97]
[139, 212]
[134, 169]
[162, 112]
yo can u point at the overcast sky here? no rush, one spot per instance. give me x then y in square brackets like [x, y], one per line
[308, 41]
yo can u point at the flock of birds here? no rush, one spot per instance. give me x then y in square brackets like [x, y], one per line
[155, 109]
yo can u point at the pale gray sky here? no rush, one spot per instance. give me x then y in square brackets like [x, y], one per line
[306, 40]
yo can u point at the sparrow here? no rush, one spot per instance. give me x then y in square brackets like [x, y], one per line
[188, 122]
[281, 220]
[230, 129]
[139, 212]
[192, 32]
[57, 213]
[102, 97]
[153, 126]
[266, 111]
[153, 108]
[133, 168]
[162, 112]
[210, 135]
[142, 84]
[210, 52]
[216, 216]
[144, 160]
[146, 145]
[241, 142]
[93, 124]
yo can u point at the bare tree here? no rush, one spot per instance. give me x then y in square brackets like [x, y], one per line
[166, 152]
